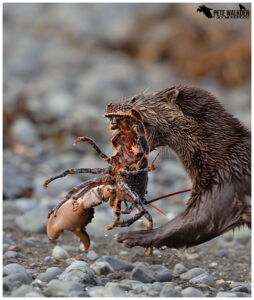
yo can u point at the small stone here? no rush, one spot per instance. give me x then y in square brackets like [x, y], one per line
[226, 294]
[142, 274]
[7, 240]
[13, 281]
[102, 268]
[92, 255]
[192, 273]
[112, 291]
[204, 278]
[179, 269]
[79, 271]
[14, 254]
[23, 290]
[59, 253]
[241, 286]
[213, 264]
[33, 294]
[50, 274]
[192, 292]
[118, 264]
[130, 284]
[222, 253]
[161, 273]
[49, 260]
[242, 294]
[169, 291]
[15, 269]
[148, 287]
[57, 288]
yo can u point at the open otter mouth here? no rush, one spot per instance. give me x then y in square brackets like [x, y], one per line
[129, 126]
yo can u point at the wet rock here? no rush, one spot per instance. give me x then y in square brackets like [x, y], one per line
[23, 290]
[49, 260]
[112, 291]
[79, 271]
[102, 268]
[57, 288]
[34, 220]
[142, 274]
[192, 292]
[226, 294]
[118, 264]
[179, 269]
[15, 269]
[24, 132]
[192, 273]
[50, 274]
[60, 253]
[161, 273]
[14, 254]
[92, 255]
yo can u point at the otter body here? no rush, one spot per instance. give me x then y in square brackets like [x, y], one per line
[214, 149]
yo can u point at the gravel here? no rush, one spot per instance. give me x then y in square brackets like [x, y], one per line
[102, 268]
[118, 264]
[58, 288]
[50, 274]
[179, 269]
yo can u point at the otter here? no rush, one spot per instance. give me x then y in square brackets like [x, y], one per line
[214, 149]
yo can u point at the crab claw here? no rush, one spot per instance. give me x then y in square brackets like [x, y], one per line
[67, 219]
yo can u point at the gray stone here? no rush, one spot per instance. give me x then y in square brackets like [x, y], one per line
[60, 253]
[169, 291]
[7, 240]
[79, 271]
[111, 291]
[242, 294]
[123, 286]
[26, 204]
[226, 294]
[15, 269]
[203, 278]
[161, 273]
[33, 294]
[57, 288]
[192, 292]
[241, 287]
[14, 254]
[102, 268]
[130, 284]
[50, 274]
[23, 131]
[142, 274]
[92, 255]
[222, 253]
[192, 273]
[34, 220]
[147, 287]
[23, 290]
[49, 260]
[13, 281]
[118, 264]
[179, 269]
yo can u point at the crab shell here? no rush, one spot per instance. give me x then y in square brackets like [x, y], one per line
[68, 219]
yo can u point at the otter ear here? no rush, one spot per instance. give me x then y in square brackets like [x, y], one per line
[172, 94]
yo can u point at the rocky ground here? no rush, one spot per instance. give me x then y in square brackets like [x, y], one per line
[35, 267]
[63, 63]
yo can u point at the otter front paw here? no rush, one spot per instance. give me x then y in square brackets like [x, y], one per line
[144, 238]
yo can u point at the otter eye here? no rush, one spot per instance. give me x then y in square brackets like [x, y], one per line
[133, 100]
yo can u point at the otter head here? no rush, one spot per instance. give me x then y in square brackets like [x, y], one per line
[162, 115]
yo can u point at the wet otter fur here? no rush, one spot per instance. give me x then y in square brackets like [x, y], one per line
[214, 149]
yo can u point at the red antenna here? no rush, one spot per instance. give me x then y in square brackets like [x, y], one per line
[168, 195]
